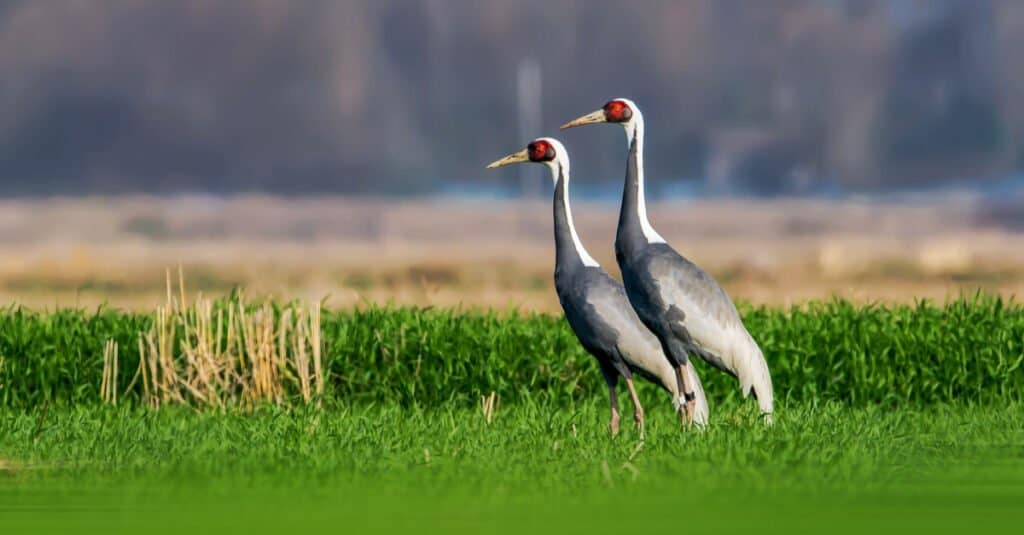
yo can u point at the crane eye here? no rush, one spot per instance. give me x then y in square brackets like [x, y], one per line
[541, 151]
[617, 111]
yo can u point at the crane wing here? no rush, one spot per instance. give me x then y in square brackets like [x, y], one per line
[700, 312]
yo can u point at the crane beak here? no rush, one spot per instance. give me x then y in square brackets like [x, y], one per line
[519, 157]
[590, 118]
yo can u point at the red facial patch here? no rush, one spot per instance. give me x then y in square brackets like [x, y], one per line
[541, 151]
[617, 111]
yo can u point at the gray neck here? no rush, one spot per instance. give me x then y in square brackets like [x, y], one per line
[630, 232]
[634, 229]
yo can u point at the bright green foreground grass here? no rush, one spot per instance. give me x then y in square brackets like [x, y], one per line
[965, 350]
[942, 468]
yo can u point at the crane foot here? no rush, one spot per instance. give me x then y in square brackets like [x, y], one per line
[638, 419]
[687, 409]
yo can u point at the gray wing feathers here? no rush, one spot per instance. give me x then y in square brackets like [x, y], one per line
[639, 347]
[703, 315]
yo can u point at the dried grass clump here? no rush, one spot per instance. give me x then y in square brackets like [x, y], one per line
[224, 353]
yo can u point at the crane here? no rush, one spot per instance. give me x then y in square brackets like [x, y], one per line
[679, 302]
[596, 305]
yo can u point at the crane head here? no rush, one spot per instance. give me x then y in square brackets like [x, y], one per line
[543, 150]
[619, 111]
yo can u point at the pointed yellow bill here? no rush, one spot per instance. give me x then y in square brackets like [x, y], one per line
[519, 157]
[590, 118]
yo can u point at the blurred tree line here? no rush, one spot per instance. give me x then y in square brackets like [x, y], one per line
[396, 96]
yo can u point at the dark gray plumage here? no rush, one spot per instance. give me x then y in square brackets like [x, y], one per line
[596, 305]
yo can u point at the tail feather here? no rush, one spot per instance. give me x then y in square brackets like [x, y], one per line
[755, 378]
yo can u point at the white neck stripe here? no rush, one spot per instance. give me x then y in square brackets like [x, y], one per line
[560, 166]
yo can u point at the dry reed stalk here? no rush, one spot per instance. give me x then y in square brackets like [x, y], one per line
[315, 343]
[212, 354]
[301, 357]
[108, 388]
[487, 407]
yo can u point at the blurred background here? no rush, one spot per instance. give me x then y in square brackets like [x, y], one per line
[798, 149]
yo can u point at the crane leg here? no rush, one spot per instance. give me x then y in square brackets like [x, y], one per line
[689, 405]
[638, 411]
[614, 423]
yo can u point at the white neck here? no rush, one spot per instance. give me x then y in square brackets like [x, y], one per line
[635, 128]
[560, 165]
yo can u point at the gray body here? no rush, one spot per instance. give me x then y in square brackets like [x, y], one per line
[655, 302]
[682, 305]
[599, 312]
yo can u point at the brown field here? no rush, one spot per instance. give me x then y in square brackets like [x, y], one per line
[83, 252]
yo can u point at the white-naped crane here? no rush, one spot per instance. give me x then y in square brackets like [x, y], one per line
[685, 307]
[596, 305]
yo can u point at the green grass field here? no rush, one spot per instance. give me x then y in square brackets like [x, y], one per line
[906, 419]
